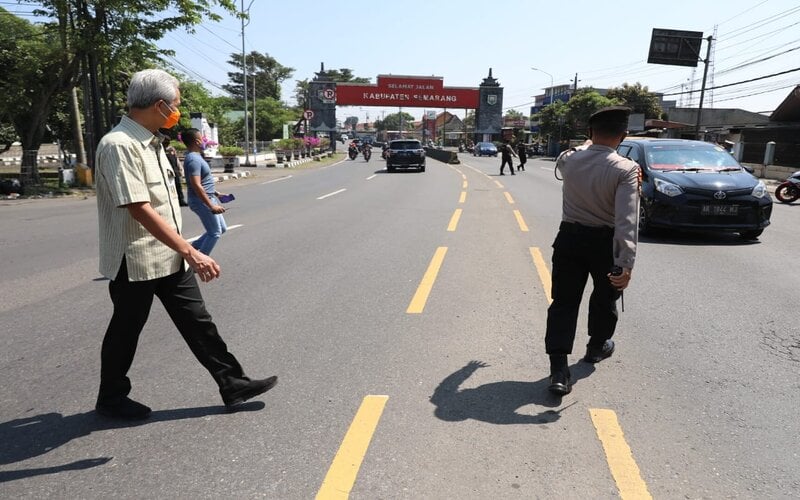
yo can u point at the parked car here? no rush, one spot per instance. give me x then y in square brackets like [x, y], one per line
[484, 149]
[405, 153]
[697, 185]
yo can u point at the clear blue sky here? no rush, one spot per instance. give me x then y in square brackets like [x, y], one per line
[605, 43]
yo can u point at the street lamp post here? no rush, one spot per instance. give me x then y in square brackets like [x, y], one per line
[552, 97]
[244, 82]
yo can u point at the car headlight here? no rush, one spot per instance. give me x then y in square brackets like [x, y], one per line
[760, 190]
[668, 188]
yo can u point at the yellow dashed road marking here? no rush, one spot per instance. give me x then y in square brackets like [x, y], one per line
[417, 304]
[454, 220]
[342, 474]
[544, 273]
[619, 456]
[508, 197]
[522, 226]
[463, 197]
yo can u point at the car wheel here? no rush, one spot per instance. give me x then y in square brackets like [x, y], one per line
[422, 168]
[389, 167]
[751, 235]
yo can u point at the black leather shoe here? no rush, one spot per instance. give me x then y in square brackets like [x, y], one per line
[127, 409]
[596, 354]
[559, 383]
[251, 390]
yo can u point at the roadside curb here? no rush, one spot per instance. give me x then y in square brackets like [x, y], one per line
[234, 175]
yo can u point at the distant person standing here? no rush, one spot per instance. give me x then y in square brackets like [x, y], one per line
[203, 196]
[597, 237]
[172, 156]
[506, 152]
[522, 153]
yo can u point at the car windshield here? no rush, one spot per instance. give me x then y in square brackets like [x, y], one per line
[406, 145]
[487, 145]
[687, 159]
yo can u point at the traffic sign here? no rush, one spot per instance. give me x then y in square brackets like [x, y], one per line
[329, 94]
[308, 114]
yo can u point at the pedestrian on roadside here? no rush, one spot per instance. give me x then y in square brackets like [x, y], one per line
[144, 255]
[203, 195]
[506, 152]
[597, 237]
[522, 153]
[172, 156]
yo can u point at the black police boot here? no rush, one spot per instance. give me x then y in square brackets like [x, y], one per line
[596, 354]
[560, 382]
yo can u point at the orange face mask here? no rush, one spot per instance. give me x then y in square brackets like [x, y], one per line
[172, 119]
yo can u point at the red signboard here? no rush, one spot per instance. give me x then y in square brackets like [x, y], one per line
[407, 91]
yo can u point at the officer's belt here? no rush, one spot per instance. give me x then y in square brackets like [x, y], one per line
[595, 231]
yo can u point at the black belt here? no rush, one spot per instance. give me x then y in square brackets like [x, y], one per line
[575, 228]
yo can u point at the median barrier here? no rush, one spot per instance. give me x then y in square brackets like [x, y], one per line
[443, 155]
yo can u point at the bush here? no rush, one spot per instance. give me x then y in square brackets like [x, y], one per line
[230, 151]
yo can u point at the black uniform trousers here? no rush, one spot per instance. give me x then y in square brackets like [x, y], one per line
[506, 159]
[523, 159]
[578, 252]
[180, 295]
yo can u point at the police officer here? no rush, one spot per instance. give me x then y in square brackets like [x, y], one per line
[598, 233]
[506, 152]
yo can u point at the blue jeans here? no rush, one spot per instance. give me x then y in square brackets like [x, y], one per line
[214, 224]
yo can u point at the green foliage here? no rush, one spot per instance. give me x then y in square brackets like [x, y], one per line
[228, 151]
[263, 69]
[335, 75]
[392, 122]
[568, 120]
[351, 122]
[513, 114]
[637, 97]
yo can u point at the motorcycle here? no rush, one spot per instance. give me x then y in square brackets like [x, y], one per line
[352, 152]
[367, 153]
[789, 190]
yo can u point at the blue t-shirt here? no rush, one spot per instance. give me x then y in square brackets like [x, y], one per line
[195, 165]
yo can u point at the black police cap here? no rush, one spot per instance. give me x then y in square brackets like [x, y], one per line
[611, 114]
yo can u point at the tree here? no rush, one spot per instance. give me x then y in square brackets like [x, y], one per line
[513, 114]
[271, 114]
[581, 106]
[102, 42]
[392, 121]
[263, 71]
[638, 98]
[350, 122]
[335, 75]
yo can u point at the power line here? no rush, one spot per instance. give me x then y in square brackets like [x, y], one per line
[737, 83]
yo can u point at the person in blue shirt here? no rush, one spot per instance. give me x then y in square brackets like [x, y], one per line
[202, 194]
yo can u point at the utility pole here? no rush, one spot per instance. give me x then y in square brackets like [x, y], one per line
[255, 141]
[575, 85]
[703, 89]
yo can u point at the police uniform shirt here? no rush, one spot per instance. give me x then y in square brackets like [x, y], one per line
[131, 167]
[601, 188]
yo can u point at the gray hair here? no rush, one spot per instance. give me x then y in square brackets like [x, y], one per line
[150, 86]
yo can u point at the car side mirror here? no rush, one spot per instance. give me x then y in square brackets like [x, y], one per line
[749, 168]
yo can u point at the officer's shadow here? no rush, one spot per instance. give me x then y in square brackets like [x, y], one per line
[30, 437]
[499, 402]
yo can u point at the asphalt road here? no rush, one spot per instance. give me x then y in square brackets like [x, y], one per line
[408, 340]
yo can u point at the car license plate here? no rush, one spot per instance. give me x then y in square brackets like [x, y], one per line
[719, 210]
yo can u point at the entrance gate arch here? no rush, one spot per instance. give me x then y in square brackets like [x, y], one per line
[407, 92]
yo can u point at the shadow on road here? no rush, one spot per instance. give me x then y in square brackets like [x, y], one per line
[499, 402]
[30, 437]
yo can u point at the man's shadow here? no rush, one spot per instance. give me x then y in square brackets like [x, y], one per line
[30, 437]
[498, 402]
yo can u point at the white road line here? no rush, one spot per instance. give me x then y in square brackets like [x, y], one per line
[372, 176]
[193, 238]
[333, 164]
[332, 194]
[278, 180]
